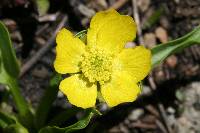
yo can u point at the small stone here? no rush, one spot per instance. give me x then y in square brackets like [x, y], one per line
[130, 45]
[143, 4]
[102, 3]
[161, 34]
[188, 121]
[60, 94]
[40, 73]
[170, 110]
[160, 76]
[16, 35]
[171, 119]
[104, 107]
[86, 11]
[177, 1]
[164, 22]
[114, 129]
[171, 61]
[150, 40]
[126, 121]
[183, 120]
[146, 90]
[135, 114]
[10, 24]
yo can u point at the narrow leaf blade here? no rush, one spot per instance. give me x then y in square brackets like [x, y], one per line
[162, 51]
[47, 100]
[77, 126]
[8, 57]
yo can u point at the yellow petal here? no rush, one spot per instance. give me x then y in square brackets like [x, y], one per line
[136, 61]
[68, 52]
[120, 89]
[79, 92]
[97, 22]
[110, 30]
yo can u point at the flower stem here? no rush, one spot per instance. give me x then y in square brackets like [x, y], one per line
[25, 115]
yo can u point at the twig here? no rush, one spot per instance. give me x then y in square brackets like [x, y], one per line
[161, 126]
[151, 82]
[160, 106]
[43, 50]
[164, 116]
[152, 110]
[137, 21]
[41, 29]
[118, 4]
[139, 124]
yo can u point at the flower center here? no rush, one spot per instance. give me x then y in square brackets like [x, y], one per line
[97, 65]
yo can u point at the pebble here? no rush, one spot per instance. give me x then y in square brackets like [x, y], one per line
[135, 114]
[86, 11]
[143, 5]
[172, 61]
[161, 34]
[150, 40]
[40, 73]
[60, 94]
[170, 110]
[130, 45]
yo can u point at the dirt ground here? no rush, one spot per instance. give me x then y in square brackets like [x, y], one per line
[170, 102]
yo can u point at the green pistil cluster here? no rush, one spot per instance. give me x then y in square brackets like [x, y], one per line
[97, 65]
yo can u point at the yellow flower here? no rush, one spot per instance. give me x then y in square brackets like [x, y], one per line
[103, 64]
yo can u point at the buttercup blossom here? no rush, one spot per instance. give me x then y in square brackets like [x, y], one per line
[103, 64]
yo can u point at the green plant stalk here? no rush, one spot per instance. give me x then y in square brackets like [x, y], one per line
[47, 101]
[25, 115]
[18, 98]
[9, 72]
[10, 124]
[13, 86]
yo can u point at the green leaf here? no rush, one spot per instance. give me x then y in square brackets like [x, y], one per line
[19, 100]
[9, 72]
[15, 128]
[77, 126]
[42, 6]
[47, 101]
[25, 115]
[162, 51]
[8, 58]
[82, 35]
[10, 124]
[5, 120]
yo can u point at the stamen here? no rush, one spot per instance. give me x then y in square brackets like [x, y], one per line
[97, 65]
